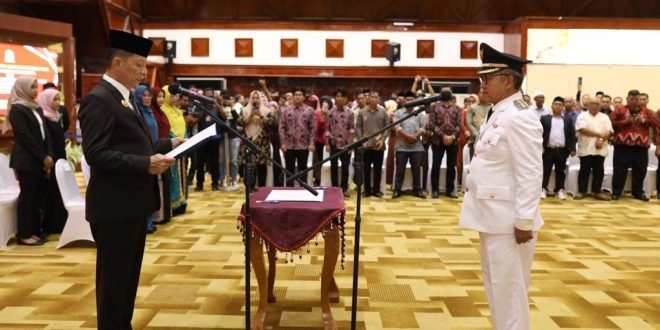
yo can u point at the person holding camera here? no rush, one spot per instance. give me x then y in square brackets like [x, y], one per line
[631, 142]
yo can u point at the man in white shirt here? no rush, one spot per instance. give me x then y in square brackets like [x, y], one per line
[502, 189]
[594, 129]
[539, 109]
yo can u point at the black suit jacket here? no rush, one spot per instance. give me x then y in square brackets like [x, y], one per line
[569, 132]
[117, 145]
[30, 148]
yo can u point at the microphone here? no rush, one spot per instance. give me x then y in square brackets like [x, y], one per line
[424, 101]
[175, 88]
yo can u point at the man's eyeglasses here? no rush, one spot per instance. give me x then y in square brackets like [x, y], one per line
[485, 79]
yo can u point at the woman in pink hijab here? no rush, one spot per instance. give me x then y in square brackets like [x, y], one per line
[55, 214]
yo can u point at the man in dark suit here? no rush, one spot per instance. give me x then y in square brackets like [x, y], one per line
[558, 143]
[123, 187]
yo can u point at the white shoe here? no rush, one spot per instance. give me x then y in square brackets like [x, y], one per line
[561, 194]
[544, 193]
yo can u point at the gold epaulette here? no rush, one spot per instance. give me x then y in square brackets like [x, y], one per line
[521, 104]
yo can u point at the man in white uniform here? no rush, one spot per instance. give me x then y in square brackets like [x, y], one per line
[502, 189]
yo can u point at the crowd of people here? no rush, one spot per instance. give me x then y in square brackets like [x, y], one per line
[300, 124]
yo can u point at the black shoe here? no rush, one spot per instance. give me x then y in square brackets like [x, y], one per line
[396, 194]
[151, 231]
[435, 195]
[452, 195]
[615, 197]
[365, 194]
[347, 194]
[215, 188]
[419, 194]
[199, 189]
[378, 194]
[642, 197]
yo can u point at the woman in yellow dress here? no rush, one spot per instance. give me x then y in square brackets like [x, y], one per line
[178, 185]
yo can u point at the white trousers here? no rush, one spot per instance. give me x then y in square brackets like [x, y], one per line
[506, 267]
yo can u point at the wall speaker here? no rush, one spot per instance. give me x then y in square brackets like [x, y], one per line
[169, 51]
[393, 52]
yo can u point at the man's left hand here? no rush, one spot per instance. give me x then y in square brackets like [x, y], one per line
[177, 141]
[523, 236]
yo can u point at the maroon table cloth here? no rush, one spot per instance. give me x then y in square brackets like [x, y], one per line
[290, 225]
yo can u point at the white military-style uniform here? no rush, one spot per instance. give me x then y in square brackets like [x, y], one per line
[503, 190]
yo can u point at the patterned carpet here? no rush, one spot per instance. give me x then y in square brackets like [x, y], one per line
[597, 266]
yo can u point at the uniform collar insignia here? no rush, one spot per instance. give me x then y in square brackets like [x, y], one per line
[521, 104]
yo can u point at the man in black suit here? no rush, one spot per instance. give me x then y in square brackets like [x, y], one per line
[558, 143]
[123, 188]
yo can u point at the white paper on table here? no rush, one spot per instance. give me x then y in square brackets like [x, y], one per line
[192, 141]
[294, 196]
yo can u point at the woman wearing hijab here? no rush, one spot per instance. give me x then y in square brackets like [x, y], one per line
[55, 214]
[256, 118]
[164, 215]
[143, 102]
[177, 129]
[31, 158]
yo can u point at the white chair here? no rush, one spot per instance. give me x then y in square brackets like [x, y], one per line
[85, 169]
[572, 175]
[651, 174]
[76, 227]
[9, 192]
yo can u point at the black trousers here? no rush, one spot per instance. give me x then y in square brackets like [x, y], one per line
[626, 157]
[334, 168]
[293, 159]
[318, 155]
[30, 203]
[191, 162]
[425, 165]
[439, 152]
[278, 179]
[208, 156]
[260, 174]
[402, 159]
[588, 165]
[373, 159]
[119, 251]
[555, 157]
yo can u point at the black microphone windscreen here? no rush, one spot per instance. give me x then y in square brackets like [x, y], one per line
[173, 88]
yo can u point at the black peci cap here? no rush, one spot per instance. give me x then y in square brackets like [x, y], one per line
[558, 98]
[493, 61]
[129, 42]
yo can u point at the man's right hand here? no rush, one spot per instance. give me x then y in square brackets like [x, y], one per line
[159, 163]
[523, 236]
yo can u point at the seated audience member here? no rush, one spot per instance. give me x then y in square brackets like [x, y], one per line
[631, 142]
[593, 130]
[558, 144]
[408, 148]
[339, 133]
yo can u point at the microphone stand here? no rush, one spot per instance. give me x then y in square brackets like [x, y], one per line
[358, 178]
[252, 149]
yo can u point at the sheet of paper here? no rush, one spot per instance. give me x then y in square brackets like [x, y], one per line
[192, 141]
[294, 196]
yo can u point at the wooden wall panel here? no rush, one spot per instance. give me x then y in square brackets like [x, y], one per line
[157, 48]
[243, 47]
[334, 48]
[199, 47]
[288, 47]
[116, 19]
[379, 48]
[425, 48]
[469, 49]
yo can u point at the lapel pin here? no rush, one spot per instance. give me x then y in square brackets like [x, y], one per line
[124, 103]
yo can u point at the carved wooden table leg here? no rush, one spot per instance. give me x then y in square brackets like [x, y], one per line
[259, 268]
[327, 277]
[272, 269]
